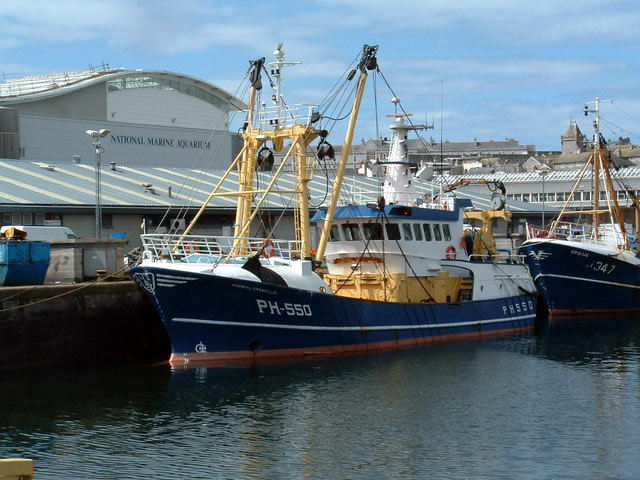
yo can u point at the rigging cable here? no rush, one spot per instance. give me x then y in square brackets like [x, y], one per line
[431, 298]
[199, 180]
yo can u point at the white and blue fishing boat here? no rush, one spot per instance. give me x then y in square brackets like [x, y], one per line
[400, 271]
[589, 267]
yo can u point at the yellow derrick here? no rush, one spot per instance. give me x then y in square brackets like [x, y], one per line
[484, 242]
[399, 288]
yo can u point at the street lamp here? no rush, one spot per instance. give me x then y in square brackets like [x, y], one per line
[97, 135]
[543, 173]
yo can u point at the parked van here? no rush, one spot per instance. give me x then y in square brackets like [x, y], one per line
[47, 234]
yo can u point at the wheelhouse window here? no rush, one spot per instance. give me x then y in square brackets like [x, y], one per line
[417, 232]
[334, 234]
[437, 234]
[446, 232]
[351, 232]
[406, 232]
[393, 231]
[372, 231]
[426, 228]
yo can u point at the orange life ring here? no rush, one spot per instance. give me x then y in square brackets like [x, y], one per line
[268, 248]
[451, 252]
[190, 248]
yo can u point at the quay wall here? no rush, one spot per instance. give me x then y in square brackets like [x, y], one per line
[47, 325]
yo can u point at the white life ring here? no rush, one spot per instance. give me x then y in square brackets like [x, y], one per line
[451, 252]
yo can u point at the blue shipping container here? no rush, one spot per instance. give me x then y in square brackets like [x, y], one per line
[24, 262]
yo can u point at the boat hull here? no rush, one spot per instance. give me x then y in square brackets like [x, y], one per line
[210, 317]
[572, 279]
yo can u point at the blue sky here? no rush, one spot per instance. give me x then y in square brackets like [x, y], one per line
[506, 68]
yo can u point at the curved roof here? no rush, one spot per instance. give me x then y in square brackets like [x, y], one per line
[38, 87]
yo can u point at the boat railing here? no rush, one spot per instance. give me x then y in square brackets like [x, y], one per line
[212, 249]
[582, 232]
[285, 116]
[563, 231]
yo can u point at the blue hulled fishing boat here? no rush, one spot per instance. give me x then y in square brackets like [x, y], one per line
[591, 267]
[397, 272]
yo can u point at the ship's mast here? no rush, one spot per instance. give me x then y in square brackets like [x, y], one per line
[277, 125]
[367, 62]
[246, 167]
[601, 163]
[596, 162]
[397, 179]
[276, 73]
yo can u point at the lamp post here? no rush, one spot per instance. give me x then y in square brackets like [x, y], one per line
[543, 173]
[97, 135]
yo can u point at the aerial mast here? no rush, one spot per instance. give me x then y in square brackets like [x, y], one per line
[276, 73]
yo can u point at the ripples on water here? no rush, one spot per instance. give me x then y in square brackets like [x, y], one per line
[562, 404]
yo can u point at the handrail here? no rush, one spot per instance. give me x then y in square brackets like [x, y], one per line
[210, 248]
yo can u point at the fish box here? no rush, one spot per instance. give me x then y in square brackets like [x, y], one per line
[24, 262]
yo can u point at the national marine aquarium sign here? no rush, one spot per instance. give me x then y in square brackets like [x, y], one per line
[183, 143]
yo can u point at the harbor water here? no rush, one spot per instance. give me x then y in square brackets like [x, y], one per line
[560, 403]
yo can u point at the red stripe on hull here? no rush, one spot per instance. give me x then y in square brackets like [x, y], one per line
[187, 358]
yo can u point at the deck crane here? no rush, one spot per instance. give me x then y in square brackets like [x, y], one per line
[483, 240]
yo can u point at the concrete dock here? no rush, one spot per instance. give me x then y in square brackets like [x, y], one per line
[47, 325]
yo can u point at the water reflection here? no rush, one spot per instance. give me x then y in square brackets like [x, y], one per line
[559, 403]
[600, 342]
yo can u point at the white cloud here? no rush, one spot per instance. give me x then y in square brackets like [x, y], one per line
[512, 68]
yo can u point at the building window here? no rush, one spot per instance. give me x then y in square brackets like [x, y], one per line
[393, 231]
[107, 220]
[6, 219]
[526, 197]
[427, 231]
[535, 198]
[39, 218]
[16, 219]
[27, 219]
[146, 81]
[53, 219]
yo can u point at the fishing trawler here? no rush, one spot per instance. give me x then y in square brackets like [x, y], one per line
[396, 272]
[589, 267]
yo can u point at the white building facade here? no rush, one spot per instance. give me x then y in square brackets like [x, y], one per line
[156, 118]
